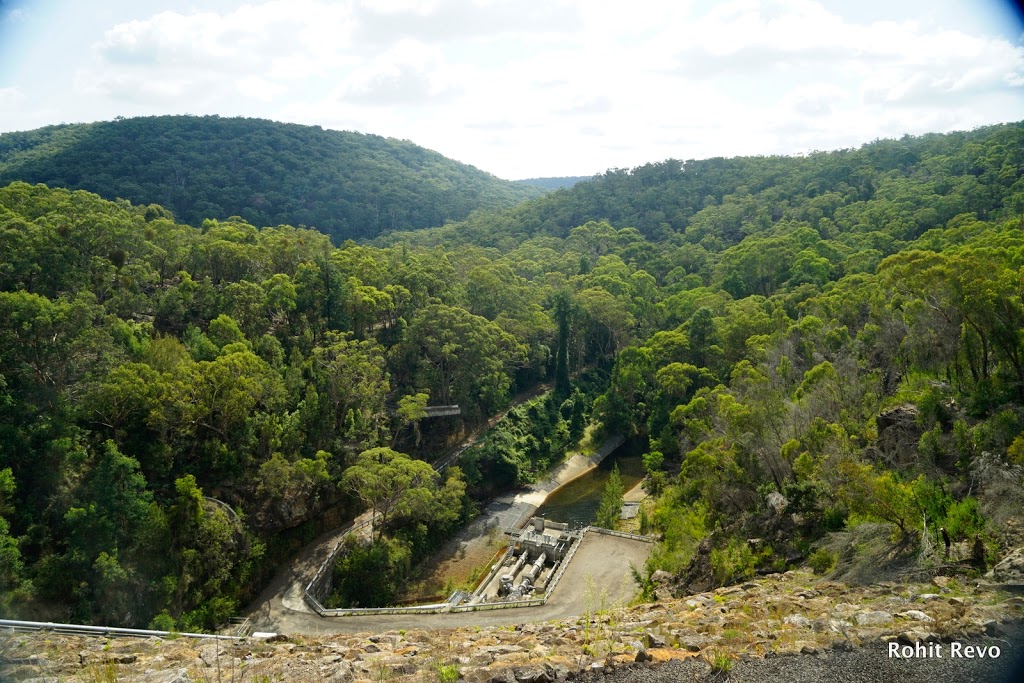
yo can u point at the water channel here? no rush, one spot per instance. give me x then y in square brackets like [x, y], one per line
[577, 502]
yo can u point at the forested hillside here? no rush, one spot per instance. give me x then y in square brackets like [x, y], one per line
[345, 184]
[556, 183]
[818, 344]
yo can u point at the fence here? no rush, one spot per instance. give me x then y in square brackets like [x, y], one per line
[622, 534]
[79, 629]
[536, 602]
[367, 611]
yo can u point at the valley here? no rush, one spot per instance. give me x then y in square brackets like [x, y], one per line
[815, 363]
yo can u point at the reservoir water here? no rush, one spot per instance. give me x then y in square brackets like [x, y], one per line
[577, 502]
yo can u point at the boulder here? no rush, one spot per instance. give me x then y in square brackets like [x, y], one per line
[1010, 569]
[875, 618]
[899, 433]
[652, 640]
[915, 615]
[87, 657]
[797, 620]
[545, 674]
[915, 637]
[660, 654]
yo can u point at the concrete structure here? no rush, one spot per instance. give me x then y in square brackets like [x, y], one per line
[534, 555]
[441, 411]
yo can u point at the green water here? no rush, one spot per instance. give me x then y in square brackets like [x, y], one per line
[577, 502]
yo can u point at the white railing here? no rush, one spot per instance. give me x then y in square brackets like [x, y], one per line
[536, 602]
[80, 629]
[622, 534]
[367, 611]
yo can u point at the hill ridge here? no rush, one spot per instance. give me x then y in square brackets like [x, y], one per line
[344, 183]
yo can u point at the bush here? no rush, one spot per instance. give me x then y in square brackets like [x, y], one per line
[833, 519]
[822, 561]
[964, 519]
[162, 622]
[447, 673]
[371, 575]
[719, 661]
[1015, 453]
[732, 563]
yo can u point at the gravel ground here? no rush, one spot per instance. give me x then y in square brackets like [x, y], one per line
[869, 664]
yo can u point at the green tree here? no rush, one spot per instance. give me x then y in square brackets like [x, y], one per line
[611, 502]
[390, 483]
[563, 309]
[412, 409]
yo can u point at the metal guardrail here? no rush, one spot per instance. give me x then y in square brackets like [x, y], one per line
[368, 611]
[536, 602]
[622, 534]
[80, 629]
[317, 588]
[313, 603]
[243, 627]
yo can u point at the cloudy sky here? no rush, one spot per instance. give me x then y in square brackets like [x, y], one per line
[525, 88]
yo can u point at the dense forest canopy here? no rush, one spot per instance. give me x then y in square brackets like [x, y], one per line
[760, 322]
[556, 183]
[345, 184]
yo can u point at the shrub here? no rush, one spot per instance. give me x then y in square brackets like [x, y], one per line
[720, 661]
[964, 519]
[822, 561]
[447, 673]
[162, 622]
[733, 562]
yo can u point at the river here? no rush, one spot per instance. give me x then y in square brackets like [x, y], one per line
[577, 502]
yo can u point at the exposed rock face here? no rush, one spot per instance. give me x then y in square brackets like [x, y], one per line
[276, 514]
[1010, 569]
[780, 614]
[899, 434]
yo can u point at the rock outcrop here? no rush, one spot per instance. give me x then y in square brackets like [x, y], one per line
[789, 613]
[899, 434]
[1010, 569]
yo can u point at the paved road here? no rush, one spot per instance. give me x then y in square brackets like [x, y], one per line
[597, 578]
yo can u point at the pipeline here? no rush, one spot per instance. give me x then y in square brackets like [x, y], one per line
[529, 576]
[506, 579]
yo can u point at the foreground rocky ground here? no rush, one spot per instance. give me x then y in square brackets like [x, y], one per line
[744, 632]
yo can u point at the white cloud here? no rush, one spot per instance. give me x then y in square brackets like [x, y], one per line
[409, 73]
[435, 21]
[250, 50]
[260, 88]
[815, 100]
[12, 94]
[559, 87]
